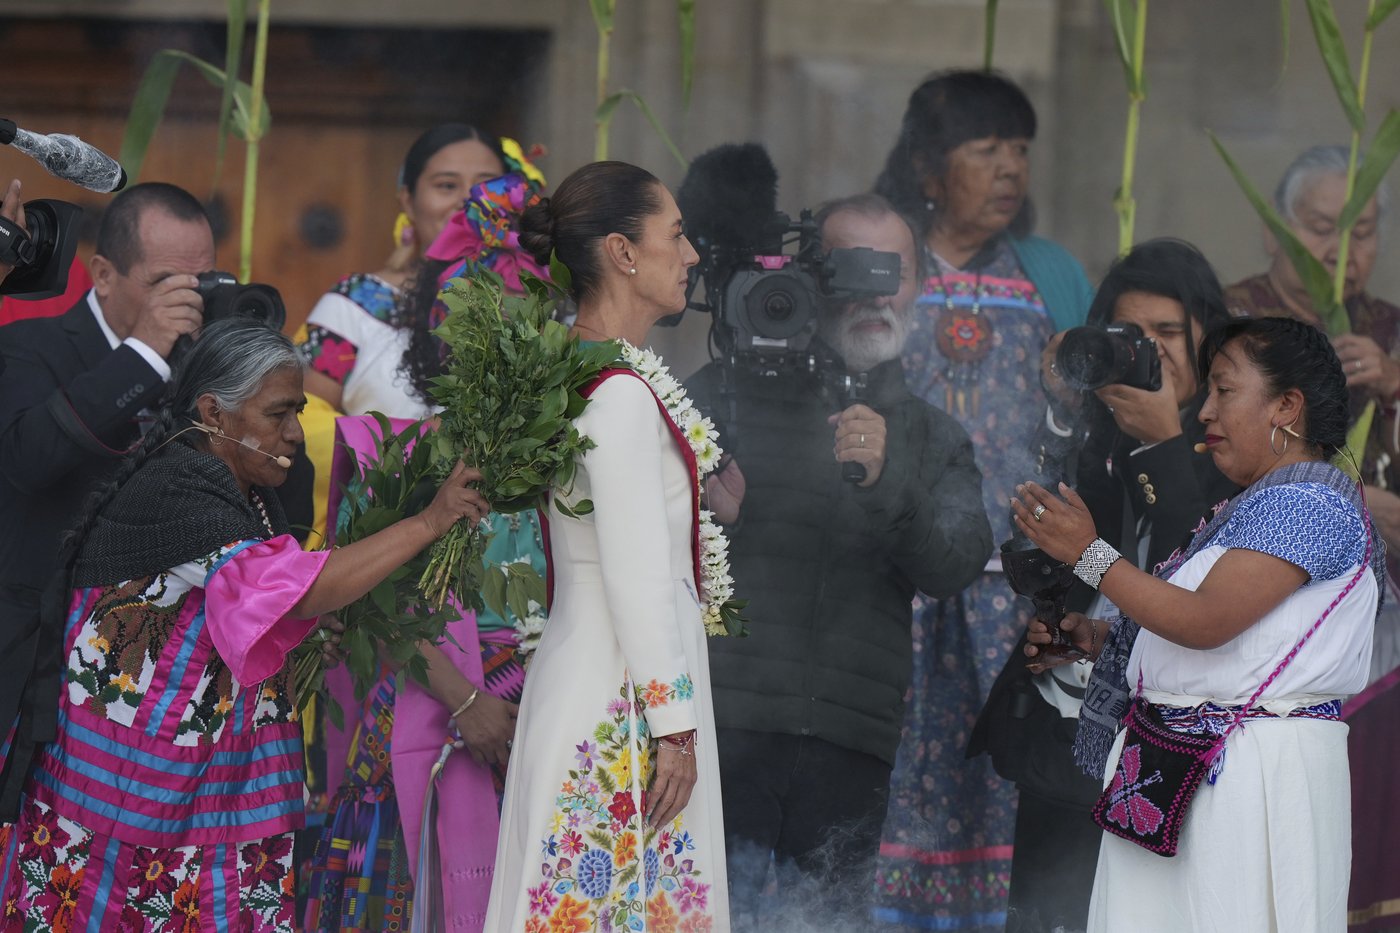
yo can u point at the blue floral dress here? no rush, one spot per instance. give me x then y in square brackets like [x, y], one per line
[945, 861]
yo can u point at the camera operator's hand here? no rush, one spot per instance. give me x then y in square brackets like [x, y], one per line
[1059, 392]
[1150, 417]
[1367, 366]
[12, 210]
[173, 309]
[860, 438]
[724, 492]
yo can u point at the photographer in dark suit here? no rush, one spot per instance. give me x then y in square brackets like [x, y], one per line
[72, 390]
[809, 705]
[1131, 454]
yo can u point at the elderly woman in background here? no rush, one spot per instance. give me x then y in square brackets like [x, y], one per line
[992, 297]
[169, 799]
[1265, 620]
[1310, 196]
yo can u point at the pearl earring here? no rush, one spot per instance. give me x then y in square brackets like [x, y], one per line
[632, 271]
[930, 205]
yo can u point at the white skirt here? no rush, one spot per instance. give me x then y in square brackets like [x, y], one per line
[1265, 848]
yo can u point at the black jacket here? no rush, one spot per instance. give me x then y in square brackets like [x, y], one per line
[829, 568]
[1174, 488]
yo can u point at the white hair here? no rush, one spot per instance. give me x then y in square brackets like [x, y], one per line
[1318, 160]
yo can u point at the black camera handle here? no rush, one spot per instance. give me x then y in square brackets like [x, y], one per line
[16, 246]
[854, 388]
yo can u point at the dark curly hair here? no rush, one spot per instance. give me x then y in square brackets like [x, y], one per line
[947, 110]
[1292, 355]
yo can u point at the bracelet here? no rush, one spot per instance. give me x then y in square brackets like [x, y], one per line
[467, 703]
[683, 744]
[1095, 561]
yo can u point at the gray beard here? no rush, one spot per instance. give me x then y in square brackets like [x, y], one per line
[862, 352]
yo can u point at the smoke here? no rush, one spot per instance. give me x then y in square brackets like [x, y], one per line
[828, 893]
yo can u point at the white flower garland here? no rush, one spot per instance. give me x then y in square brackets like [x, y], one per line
[716, 584]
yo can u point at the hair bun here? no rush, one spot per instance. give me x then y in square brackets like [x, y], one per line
[537, 230]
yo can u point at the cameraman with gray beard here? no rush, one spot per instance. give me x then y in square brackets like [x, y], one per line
[809, 706]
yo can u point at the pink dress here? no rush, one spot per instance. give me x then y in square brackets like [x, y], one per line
[169, 799]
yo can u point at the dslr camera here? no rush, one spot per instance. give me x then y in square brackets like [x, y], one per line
[768, 301]
[225, 298]
[1091, 357]
[41, 257]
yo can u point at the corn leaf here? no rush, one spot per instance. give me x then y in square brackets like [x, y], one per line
[1383, 9]
[686, 10]
[233, 61]
[604, 114]
[1285, 29]
[989, 34]
[1124, 16]
[603, 13]
[1349, 460]
[148, 106]
[1379, 156]
[1312, 273]
[1334, 55]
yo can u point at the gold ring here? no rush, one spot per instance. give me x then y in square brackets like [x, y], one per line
[1038, 511]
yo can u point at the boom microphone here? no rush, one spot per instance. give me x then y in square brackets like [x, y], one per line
[67, 157]
[729, 197]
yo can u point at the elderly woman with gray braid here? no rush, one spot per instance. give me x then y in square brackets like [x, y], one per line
[1241, 647]
[165, 794]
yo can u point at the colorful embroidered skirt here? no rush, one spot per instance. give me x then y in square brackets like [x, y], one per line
[60, 876]
[359, 876]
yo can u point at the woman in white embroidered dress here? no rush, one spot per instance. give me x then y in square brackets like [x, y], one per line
[1267, 846]
[612, 816]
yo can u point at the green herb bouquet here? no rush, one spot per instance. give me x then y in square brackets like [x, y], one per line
[399, 480]
[511, 389]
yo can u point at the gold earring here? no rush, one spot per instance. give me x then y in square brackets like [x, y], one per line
[1274, 434]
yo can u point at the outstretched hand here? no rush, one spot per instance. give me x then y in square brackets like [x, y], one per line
[1062, 528]
[455, 500]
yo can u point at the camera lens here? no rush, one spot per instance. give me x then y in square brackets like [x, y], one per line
[1091, 358]
[778, 306]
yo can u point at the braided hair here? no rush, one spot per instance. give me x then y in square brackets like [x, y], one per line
[1290, 354]
[229, 361]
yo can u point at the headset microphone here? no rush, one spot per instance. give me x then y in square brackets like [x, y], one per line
[284, 462]
[1200, 448]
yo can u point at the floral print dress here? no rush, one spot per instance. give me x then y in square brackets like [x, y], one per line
[169, 799]
[945, 861]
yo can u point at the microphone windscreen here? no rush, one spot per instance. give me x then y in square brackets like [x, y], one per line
[729, 196]
[1200, 448]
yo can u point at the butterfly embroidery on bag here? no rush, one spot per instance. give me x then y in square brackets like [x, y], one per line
[1127, 802]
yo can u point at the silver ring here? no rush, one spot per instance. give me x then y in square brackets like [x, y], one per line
[862, 440]
[1038, 511]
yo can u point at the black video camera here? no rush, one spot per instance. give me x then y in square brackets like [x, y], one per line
[40, 257]
[1113, 354]
[225, 298]
[768, 302]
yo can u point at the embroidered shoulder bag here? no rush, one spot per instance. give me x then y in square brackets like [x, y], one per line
[1161, 769]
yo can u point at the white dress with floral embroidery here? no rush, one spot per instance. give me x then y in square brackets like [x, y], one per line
[574, 852]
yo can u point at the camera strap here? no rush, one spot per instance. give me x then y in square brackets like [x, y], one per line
[16, 247]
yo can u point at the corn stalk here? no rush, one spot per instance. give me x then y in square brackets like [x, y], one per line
[1130, 34]
[250, 162]
[604, 18]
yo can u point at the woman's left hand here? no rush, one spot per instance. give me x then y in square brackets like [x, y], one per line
[328, 632]
[1062, 528]
[676, 775]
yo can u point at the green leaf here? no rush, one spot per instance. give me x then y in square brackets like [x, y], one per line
[517, 598]
[1311, 272]
[493, 591]
[989, 33]
[1334, 55]
[686, 11]
[383, 596]
[604, 114]
[1285, 34]
[237, 25]
[1379, 156]
[1124, 16]
[1348, 460]
[603, 14]
[148, 106]
[1383, 9]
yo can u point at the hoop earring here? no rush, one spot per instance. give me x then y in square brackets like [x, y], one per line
[1274, 434]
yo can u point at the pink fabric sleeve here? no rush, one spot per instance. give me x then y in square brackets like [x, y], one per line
[247, 598]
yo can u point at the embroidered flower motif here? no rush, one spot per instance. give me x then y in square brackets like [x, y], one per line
[1128, 805]
[595, 871]
[622, 807]
[571, 916]
[262, 860]
[692, 895]
[155, 870]
[656, 694]
[43, 835]
[661, 916]
[542, 900]
[60, 897]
